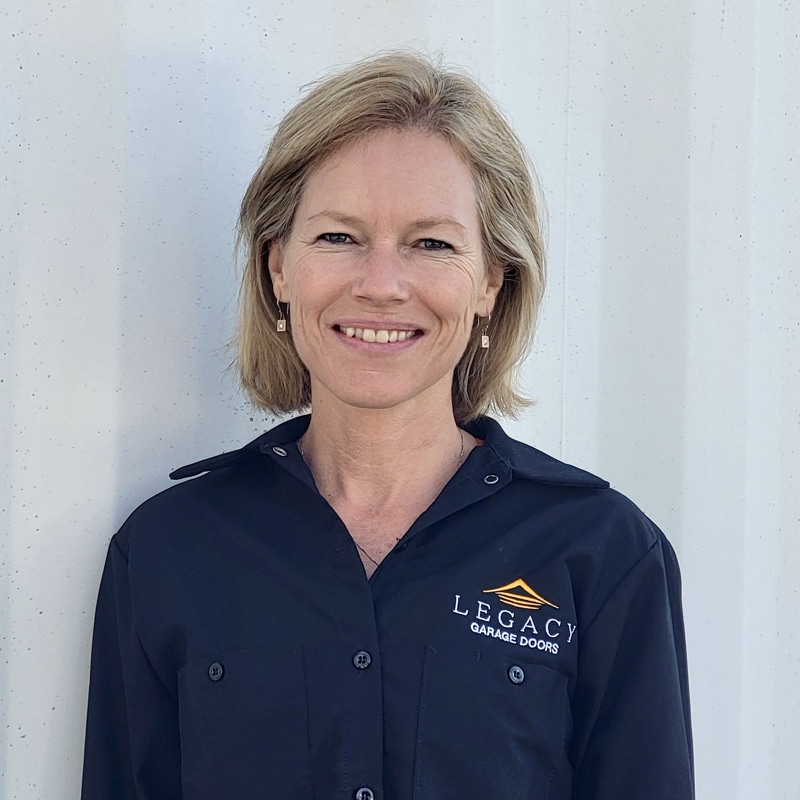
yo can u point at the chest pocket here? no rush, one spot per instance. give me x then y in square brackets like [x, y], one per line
[490, 726]
[244, 726]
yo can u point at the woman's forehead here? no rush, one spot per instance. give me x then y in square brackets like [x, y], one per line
[412, 174]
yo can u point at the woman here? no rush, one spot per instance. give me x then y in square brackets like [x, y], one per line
[389, 598]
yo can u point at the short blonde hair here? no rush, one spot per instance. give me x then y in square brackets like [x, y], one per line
[397, 91]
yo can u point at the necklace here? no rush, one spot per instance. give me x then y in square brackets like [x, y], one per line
[459, 459]
[366, 553]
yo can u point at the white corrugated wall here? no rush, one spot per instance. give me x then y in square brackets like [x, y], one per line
[668, 360]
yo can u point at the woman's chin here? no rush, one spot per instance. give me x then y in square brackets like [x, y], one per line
[381, 393]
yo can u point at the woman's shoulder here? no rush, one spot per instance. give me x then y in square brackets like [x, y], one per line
[587, 501]
[209, 486]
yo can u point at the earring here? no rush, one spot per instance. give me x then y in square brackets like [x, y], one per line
[485, 334]
[280, 326]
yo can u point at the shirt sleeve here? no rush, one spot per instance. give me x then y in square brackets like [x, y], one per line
[132, 747]
[632, 734]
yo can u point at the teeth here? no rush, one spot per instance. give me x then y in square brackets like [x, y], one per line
[381, 336]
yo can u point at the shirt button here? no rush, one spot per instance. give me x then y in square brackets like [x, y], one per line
[215, 671]
[365, 794]
[491, 480]
[361, 660]
[516, 674]
[279, 451]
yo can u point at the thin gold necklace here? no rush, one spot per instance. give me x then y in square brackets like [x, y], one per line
[459, 459]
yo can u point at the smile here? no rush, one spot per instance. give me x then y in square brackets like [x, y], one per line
[380, 335]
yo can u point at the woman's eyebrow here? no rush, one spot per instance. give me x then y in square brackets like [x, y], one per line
[336, 216]
[437, 222]
[425, 223]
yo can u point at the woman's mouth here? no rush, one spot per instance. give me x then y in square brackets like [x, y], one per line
[379, 335]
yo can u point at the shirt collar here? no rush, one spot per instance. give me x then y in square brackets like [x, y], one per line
[522, 459]
[528, 462]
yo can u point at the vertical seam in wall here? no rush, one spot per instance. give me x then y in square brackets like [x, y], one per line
[749, 767]
[565, 294]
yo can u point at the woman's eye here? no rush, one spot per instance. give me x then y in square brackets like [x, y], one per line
[334, 238]
[434, 244]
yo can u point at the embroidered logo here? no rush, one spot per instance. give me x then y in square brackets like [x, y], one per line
[520, 595]
[521, 626]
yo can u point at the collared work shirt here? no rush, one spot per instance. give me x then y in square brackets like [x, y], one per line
[523, 641]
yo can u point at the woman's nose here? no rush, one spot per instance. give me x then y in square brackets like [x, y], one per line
[382, 277]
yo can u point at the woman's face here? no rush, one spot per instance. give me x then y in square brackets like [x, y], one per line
[384, 273]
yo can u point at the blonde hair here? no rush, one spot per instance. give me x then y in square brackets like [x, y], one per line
[397, 91]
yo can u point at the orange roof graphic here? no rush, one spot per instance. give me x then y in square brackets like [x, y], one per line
[519, 594]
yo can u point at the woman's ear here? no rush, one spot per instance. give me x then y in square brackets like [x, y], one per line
[275, 264]
[491, 288]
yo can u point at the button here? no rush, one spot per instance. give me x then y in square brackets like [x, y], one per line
[491, 479]
[279, 451]
[516, 674]
[361, 660]
[365, 794]
[215, 671]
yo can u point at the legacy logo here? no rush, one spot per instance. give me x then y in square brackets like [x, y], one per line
[510, 626]
[524, 598]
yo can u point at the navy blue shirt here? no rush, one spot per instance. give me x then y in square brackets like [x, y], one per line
[523, 640]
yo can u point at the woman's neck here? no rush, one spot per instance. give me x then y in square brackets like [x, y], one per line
[370, 457]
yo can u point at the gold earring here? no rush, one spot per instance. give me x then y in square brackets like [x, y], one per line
[485, 334]
[281, 323]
